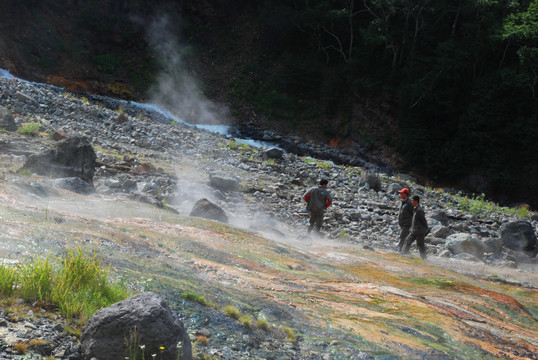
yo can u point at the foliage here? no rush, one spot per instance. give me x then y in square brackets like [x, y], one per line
[246, 320]
[195, 298]
[8, 279]
[29, 128]
[231, 311]
[290, 333]
[107, 62]
[262, 324]
[76, 283]
[461, 78]
[478, 205]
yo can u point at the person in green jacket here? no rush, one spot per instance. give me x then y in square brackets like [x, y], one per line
[419, 229]
[317, 200]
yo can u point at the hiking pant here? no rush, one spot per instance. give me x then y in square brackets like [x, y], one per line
[419, 237]
[316, 220]
[404, 232]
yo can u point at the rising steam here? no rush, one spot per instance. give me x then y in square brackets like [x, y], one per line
[176, 89]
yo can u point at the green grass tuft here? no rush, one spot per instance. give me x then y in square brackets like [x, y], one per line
[31, 128]
[75, 283]
[195, 298]
[232, 311]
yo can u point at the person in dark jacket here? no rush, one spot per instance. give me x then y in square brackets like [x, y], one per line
[317, 199]
[419, 229]
[405, 216]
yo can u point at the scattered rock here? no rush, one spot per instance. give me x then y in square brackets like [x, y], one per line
[6, 120]
[206, 209]
[75, 184]
[372, 180]
[71, 157]
[59, 134]
[519, 236]
[465, 243]
[273, 153]
[144, 319]
[223, 183]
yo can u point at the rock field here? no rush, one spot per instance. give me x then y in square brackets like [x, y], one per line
[142, 154]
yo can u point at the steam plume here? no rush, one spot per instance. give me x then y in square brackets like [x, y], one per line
[176, 89]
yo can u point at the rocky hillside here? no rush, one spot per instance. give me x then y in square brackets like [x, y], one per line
[411, 98]
[346, 295]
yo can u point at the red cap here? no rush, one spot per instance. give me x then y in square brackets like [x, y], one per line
[404, 191]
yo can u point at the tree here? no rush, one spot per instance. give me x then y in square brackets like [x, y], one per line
[522, 29]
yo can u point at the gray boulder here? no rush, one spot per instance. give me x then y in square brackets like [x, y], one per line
[273, 153]
[440, 216]
[519, 236]
[6, 120]
[206, 209]
[144, 319]
[75, 184]
[223, 183]
[465, 243]
[394, 188]
[440, 231]
[430, 239]
[26, 98]
[372, 180]
[494, 246]
[72, 157]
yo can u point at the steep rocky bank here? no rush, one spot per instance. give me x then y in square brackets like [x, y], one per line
[160, 163]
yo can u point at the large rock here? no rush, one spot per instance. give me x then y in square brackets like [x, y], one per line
[440, 231]
[372, 180]
[465, 243]
[104, 335]
[273, 153]
[72, 157]
[207, 210]
[223, 183]
[440, 216]
[75, 184]
[519, 236]
[494, 246]
[6, 120]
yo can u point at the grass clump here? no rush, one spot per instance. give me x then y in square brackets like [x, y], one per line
[262, 324]
[195, 298]
[232, 312]
[8, 279]
[30, 128]
[246, 320]
[202, 339]
[75, 283]
[20, 347]
[290, 334]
